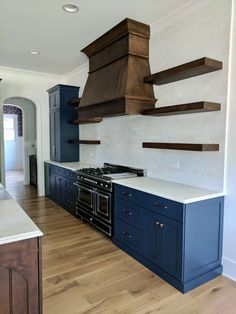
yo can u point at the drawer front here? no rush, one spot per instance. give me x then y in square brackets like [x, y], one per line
[155, 203]
[72, 175]
[126, 194]
[130, 236]
[164, 207]
[70, 187]
[59, 171]
[128, 212]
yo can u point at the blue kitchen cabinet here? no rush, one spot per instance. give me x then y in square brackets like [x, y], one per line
[182, 243]
[61, 132]
[60, 186]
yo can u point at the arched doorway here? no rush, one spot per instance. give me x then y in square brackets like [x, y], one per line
[26, 127]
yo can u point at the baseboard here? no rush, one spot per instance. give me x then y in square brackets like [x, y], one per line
[229, 268]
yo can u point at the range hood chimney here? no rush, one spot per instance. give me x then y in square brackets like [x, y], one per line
[118, 62]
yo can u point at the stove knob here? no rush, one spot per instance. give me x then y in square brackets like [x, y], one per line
[101, 184]
[91, 219]
[106, 186]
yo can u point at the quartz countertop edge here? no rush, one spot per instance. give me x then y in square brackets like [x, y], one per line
[177, 192]
[77, 165]
[15, 224]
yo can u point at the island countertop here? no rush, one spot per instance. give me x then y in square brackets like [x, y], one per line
[15, 224]
[178, 192]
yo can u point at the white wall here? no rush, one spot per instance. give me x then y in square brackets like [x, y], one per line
[204, 32]
[32, 86]
[229, 260]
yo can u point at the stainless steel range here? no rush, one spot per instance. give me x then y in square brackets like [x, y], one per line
[95, 197]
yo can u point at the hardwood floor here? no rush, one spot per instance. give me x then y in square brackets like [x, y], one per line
[83, 272]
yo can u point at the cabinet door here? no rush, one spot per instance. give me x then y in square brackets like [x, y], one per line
[55, 134]
[163, 243]
[59, 188]
[52, 136]
[153, 245]
[53, 189]
[172, 238]
[47, 174]
[20, 278]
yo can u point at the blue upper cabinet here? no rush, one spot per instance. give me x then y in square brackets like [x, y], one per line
[60, 130]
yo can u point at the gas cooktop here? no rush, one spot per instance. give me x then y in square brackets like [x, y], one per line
[104, 175]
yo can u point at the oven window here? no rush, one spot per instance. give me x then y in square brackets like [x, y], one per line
[85, 197]
[103, 206]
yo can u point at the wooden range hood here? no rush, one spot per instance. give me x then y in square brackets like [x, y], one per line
[118, 62]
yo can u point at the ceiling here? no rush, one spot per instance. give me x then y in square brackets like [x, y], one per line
[59, 36]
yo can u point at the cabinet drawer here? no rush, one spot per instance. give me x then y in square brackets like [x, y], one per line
[69, 174]
[70, 187]
[129, 235]
[126, 194]
[59, 171]
[128, 212]
[152, 202]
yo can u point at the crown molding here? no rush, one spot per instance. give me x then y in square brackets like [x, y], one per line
[27, 72]
[174, 16]
[82, 67]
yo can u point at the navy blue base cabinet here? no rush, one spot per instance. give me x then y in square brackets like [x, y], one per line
[61, 132]
[182, 243]
[60, 187]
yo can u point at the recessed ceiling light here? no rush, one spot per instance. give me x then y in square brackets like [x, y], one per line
[70, 8]
[34, 52]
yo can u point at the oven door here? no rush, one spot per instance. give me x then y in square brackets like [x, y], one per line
[103, 205]
[86, 198]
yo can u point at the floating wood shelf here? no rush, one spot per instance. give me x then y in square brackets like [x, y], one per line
[194, 107]
[88, 121]
[90, 142]
[184, 71]
[182, 146]
[74, 102]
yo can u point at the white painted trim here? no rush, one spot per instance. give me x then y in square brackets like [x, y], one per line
[75, 71]
[229, 92]
[44, 74]
[39, 141]
[229, 268]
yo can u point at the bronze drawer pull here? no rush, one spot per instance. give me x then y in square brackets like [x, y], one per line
[160, 205]
[126, 194]
[124, 211]
[126, 234]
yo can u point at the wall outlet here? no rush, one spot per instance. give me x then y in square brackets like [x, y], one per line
[175, 164]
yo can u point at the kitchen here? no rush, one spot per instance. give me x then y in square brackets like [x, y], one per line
[124, 140]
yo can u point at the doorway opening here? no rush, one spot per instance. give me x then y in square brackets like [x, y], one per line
[19, 124]
[13, 144]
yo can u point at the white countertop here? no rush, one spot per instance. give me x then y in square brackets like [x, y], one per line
[178, 192]
[15, 224]
[72, 165]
